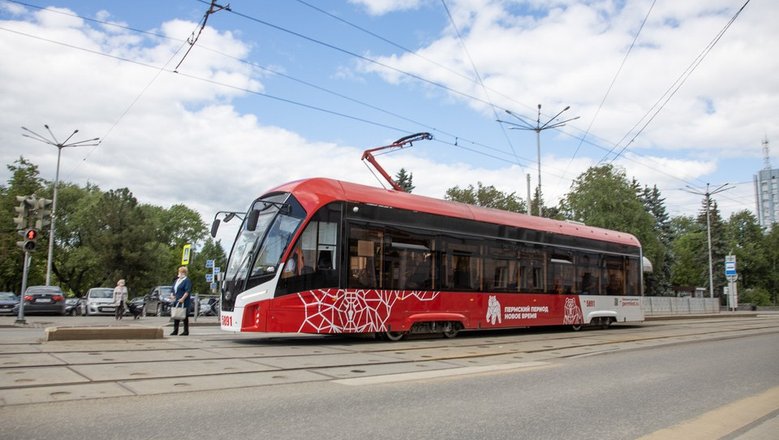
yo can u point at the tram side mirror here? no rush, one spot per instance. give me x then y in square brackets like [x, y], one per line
[251, 221]
[214, 227]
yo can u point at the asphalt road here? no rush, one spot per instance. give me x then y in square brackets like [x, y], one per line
[715, 377]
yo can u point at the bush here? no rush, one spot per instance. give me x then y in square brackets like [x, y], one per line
[757, 296]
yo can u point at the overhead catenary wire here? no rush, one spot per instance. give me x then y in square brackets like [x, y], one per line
[479, 78]
[213, 8]
[455, 137]
[611, 85]
[674, 88]
[457, 140]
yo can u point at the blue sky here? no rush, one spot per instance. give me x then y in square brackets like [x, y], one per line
[279, 90]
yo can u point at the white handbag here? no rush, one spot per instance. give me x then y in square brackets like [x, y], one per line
[178, 312]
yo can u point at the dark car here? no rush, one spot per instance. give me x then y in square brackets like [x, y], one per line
[136, 307]
[75, 306]
[8, 300]
[44, 299]
[158, 301]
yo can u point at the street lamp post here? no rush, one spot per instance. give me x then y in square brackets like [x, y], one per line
[60, 145]
[708, 194]
[538, 128]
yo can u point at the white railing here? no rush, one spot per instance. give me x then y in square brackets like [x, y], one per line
[666, 305]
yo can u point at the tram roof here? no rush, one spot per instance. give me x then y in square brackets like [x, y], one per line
[315, 192]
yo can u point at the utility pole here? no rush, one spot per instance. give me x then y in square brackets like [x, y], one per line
[708, 194]
[60, 145]
[538, 128]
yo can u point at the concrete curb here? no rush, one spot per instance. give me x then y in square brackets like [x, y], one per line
[89, 333]
[699, 316]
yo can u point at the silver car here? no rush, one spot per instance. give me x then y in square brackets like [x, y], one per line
[100, 301]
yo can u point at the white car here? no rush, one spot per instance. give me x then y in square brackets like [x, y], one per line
[100, 301]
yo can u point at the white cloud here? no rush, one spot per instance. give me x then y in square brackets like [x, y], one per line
[184, 138]
[381, 7]
[570, 53]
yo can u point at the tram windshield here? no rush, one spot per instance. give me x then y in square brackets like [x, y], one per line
[257, 251]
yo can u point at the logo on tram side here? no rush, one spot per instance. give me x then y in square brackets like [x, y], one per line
[493, 310]
[573, 313]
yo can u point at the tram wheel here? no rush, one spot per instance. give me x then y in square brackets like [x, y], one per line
[451, 329]
[576, 327]
[394, 336]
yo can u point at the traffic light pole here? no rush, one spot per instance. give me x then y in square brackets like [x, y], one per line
[20, 316]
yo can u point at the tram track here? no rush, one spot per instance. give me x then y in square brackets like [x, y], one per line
[499, 343]
[102, 369]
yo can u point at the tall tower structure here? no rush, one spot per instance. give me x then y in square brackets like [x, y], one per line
[767, 191]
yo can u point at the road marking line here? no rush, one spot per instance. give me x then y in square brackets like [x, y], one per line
[423, 375]
[723, 420]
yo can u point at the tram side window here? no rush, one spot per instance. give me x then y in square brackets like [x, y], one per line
[365, 253]
[560, 275]
[408, 261]
[633, 276]
[501, 268]
[463, 264]
[614, 275]
[312, 262]
[532, 272]
[588, 274]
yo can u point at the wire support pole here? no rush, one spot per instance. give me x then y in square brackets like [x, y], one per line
[707, 194]
[60, 145]
[552, 122]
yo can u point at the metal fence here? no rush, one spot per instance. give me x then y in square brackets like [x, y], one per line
[666, 305]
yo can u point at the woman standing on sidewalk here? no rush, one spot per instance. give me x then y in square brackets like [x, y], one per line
[182, 289]
[120, 298]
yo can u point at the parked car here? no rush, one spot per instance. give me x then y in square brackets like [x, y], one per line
[209, 306]
[75, 306]
[43, 299]
[136, 304]
[8, 300]
[158, 301]
[100, 301]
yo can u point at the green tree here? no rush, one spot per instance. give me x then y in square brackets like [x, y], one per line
[101, 237]
[772, 261]
[546, 211]
[211, 250]
[602, 196]
[658, 283]
[690, 266]
[405, 180]
[716, 228]
[745, 240]
[486, 196]
[24, 181]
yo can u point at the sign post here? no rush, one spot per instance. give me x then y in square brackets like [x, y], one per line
[732, 276]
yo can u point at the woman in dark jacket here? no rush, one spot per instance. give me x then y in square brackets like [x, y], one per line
[182, 290]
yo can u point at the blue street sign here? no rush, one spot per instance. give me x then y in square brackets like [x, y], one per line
[209, 277]
[209, 264]
[217, 270]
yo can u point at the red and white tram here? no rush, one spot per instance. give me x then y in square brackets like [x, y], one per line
[326, 256]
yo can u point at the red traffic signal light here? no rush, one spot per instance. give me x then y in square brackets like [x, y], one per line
[31, 235]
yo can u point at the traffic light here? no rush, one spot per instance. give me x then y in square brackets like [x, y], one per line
[30, 239]
[43, 212]
[22, 213]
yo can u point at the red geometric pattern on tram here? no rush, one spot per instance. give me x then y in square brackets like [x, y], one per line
[352, 311]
